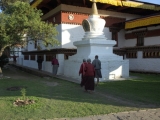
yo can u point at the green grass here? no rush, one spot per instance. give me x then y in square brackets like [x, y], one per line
[67, 100]
[145, 88]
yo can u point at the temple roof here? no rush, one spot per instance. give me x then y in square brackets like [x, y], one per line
[149, 20]
[124, 6]
[130, 3]
[150, 12]
[142, 22]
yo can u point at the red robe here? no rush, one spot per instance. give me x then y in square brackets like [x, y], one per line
[90, 73]
[82, 71]
[82, 68]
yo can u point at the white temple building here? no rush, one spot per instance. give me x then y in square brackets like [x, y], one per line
[129, 40]
[94, 43]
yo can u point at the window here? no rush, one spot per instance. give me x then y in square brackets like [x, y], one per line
[49, 58]
[114, 31]
[32, 57]
[140, 37]
[66, 57]
[140, 40]
[26, 57]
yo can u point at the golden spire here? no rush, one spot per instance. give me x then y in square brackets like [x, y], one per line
[94, 8]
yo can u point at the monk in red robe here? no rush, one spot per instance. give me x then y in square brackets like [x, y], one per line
[55, 64]
[82, 72]
[90, 74]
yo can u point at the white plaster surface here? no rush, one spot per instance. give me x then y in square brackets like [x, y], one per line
[70, 34]
[94, 43]
[144, 64]
[147, 40]
[153, 27]
[130, 43]
[60, 58]
[152, 41]
[140, 63]
[121, 38]
[113, 66]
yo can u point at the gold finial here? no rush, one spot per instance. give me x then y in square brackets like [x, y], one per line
[94, 8]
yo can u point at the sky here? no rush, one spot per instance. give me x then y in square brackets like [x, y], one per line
[151, 1]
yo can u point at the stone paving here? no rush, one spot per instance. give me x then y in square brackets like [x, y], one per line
[148, 114]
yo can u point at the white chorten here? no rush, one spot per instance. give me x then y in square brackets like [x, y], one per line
[95, 43]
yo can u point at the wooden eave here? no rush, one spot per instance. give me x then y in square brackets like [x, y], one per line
[147, 21]
[51, 51]
[143, 48]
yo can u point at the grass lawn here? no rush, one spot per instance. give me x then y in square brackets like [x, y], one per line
[145, 88]
[56, 98]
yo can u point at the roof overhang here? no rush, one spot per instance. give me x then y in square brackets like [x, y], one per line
[124, 3]
[142, 22]
[69, 51]
[124, 6]
[35, 3]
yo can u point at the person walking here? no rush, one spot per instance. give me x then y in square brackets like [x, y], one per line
[39, 61]
[55, 64]
[82, 71]
[97, 66]
[14, 59]
[90, 73]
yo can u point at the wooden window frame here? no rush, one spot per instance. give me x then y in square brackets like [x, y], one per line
[140, 40]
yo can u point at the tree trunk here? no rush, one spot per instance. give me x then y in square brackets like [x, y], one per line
[1, 52]
[1, 75]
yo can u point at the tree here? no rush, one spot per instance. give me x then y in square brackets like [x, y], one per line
[4, 3]
[19, 23]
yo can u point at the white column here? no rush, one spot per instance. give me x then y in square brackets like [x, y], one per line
[36, 57]
[44, 63]
[60, 58]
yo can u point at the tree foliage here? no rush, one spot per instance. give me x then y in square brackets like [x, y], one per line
[4, 3]
[19, 23]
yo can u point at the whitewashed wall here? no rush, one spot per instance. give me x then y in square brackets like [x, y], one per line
[147, 40]
[153, 27]
[107, 33]
[46, 65]
[31, 45]
[121, 39]
[152, 41]
[140, 63]
[144, 64]
[70, 34]
[130, 43]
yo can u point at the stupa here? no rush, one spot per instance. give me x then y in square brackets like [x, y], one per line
[94, 43]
